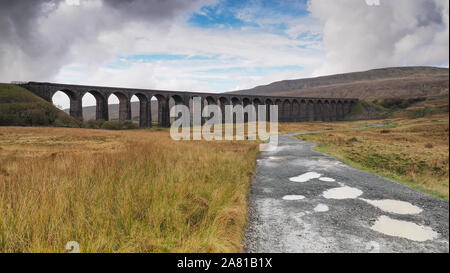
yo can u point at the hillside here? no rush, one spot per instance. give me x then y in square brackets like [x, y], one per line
[19, 106]
[398, 82]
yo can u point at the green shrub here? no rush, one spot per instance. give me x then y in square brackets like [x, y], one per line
[94, 124]
[35, 117]
[128, 124]
[119, 125]
[111, 125]
[357, 109]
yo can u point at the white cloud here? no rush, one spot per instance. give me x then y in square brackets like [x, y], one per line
[246, 48]
[358, 36]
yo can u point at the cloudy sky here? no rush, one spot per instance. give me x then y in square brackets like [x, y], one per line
[214, 45]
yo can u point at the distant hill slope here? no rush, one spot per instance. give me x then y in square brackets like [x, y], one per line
[396, 82]
[19, 106]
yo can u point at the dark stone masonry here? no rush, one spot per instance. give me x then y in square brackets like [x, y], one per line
[290, 109]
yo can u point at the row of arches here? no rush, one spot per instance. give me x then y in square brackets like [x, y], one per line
[313, 110]
[153, 109]
[115, 106]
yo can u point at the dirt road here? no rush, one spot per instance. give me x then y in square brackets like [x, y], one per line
[306, 201]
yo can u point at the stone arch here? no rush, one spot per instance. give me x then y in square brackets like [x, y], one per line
[145, 119]
[339, 110]
[75, 106]
[193, 110]
[172, 100]
[160, 106]
[326, 110]
[235, 100]
[310, 110]
[222, 102]
[210, 100]
[286, 111]
[124, 105]
[295, 114]
[268, 102]
[256, 103]
[279, 103]
[318, 108]
[246, 101]
[303, 110]
[101, 104]
[177, 99]
[346, 107]
[333, 114]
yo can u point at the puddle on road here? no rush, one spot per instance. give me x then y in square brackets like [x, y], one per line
[279, 157]
[293, 197]
[305, 177]
[403, 229]
[321, 208]
[342, 193]
[394, 206]
[327, 179]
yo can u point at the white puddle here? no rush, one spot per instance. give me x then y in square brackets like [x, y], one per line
[342, 193]
[403, 229]
[293, 197]
[278, 157]
[394, 206]
[327, 179]
[305, 177]
[321, 208]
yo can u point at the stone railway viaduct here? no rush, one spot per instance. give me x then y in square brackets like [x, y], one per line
[290, 109]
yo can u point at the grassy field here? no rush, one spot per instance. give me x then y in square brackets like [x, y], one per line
[412, 151]
[121, 191]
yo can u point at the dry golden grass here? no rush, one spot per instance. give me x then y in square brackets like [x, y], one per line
[121, 191]
[412, 151]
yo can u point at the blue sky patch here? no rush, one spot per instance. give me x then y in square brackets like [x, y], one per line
[238, 14]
